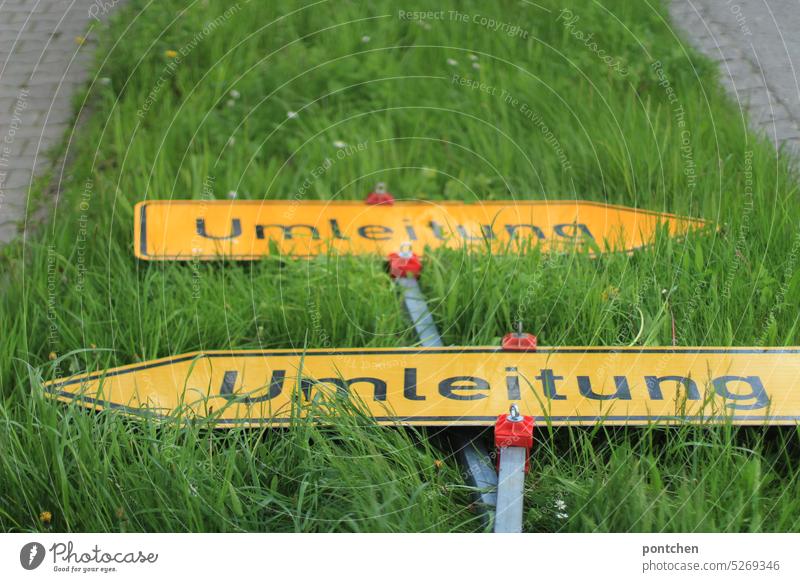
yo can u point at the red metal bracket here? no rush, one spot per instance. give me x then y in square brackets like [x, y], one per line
[519, 341]
[401, 266]
[405, 263]
[380, 196]
[514, 430]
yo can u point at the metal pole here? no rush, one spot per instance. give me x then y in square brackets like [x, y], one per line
[472, 452]
[418, 312]
[473, 455]
[510, 488]
[511, 479]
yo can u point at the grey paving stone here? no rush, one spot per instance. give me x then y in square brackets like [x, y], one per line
[12, 203]
[38, 52]
[758, 50]
[18, 178]
[761, 116]
[8, 232]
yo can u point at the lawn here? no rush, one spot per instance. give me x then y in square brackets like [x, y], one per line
[211, 99]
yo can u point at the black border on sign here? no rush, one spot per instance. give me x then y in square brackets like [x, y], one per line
[54, 387]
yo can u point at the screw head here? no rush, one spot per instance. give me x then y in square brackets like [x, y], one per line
[513, 414]
[405, 250]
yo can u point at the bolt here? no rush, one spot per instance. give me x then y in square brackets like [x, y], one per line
[406, 251]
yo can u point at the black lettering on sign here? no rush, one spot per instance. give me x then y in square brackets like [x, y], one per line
[337, 232]
[410, 384]
[229, 383]
[374, 232]
[236, 230]
[412, 235]
[623, 390]
[486, 233]
[757, 391]
[654, 386]
[448, 386]
[437, 229]
[343, 386]
[572, 230]
[548, 380]
[512, 385]
[288, 231]
[513, 228]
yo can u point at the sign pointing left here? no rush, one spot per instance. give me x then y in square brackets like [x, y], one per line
[458, 386]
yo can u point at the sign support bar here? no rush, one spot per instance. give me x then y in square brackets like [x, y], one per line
[472, 452]
[510, 488]
[474, 457]
[513, 436]
[417, 308]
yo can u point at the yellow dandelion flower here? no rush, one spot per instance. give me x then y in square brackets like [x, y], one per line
[170, 54]
[80, 40]
[52, 356]
[611, 292]
[438, 464]
[46, 517]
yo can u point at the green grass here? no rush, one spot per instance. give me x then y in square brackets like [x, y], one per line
[75, 292]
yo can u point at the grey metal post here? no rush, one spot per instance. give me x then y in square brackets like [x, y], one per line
[510, 488]
[511, 483]
[472, 453]
[418, 312]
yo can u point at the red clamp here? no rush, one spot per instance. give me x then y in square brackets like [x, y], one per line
[519, 341]
[405, 263]
[380, 196]
[514, 430]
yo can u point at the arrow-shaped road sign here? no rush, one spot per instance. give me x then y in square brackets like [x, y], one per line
[249, 230]
[458, 386]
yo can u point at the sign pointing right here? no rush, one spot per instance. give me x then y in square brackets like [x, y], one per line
[249, 230]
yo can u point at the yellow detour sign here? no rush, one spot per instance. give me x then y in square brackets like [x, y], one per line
[457, 386]
[246, 230]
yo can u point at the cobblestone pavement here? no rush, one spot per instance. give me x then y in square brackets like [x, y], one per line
[43, 61]
[757, 46]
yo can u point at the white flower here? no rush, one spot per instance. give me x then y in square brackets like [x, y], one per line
[476, 66]
[291, 114]
[561, 509]
[365, 38]
[473, 57]
[104, 81]
[232, 194]
[231, 103]
[235, 94]
[452, 62]
[339, 144]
